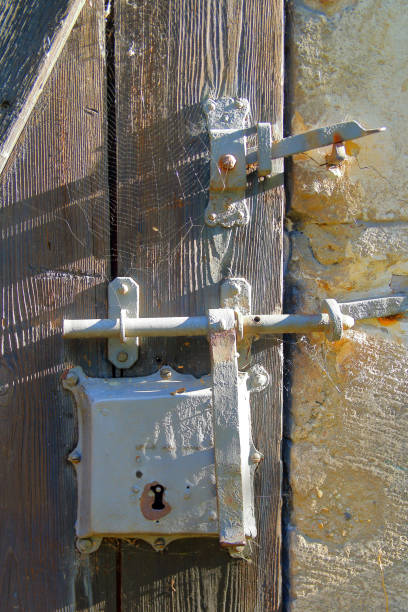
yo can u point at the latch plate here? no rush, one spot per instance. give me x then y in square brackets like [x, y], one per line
[226, 119]
[123, 302]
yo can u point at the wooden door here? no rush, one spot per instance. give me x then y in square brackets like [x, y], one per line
[110, 177]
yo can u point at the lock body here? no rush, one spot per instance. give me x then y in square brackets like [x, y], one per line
[145, 457]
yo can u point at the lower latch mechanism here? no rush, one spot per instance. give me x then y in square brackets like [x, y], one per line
[170, 456]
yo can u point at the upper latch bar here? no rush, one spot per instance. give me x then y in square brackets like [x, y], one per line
[227, 124]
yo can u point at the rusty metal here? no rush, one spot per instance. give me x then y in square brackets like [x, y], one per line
[314, 139]
[226, 120]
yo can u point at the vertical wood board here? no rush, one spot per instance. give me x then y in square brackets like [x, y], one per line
[54, 264]
[170, 56]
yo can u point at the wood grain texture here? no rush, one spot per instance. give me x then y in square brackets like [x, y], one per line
[54, 264]
[32, 36]
[170, 57]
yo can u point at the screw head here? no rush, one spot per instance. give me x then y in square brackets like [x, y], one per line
[160, 543]
[75, 456]
[256, 457]
[227, 162]
[122, 356]
[84, 545]
[123, 289]
[71, 379]
[166, 373]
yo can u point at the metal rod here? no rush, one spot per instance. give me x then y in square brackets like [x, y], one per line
[196, 326]
[314, 139]
[161, 326]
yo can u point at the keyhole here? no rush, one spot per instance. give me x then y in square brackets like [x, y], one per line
[158, 491]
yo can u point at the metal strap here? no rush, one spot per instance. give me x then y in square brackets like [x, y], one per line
[227, 443]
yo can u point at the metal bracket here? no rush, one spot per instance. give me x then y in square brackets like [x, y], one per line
[235, 293]
[227, 119]
[123, 302]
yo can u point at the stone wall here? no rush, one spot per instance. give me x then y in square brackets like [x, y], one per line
[348, 227]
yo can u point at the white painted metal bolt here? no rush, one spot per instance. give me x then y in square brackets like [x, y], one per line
[227, 162]
[75, 457]
[135, 489]
[165, 373]
[123, 289]
[71, 379]
[256, 458]
[213, 515]
[122, 356]
[160, 543]
[84, 545]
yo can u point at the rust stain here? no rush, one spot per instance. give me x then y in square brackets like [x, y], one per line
[147, 500]
[391, 319]
[337, 137]
[222, 351]
[181, 390]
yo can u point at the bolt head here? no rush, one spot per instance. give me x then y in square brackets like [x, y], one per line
[84, 545]
[227, 162]
[256, 457]
[75, 456]
[71, 379]
[165, 373]
[212, 216]
[212, 516]
[123, 289]
[160, 543]
[122, 356]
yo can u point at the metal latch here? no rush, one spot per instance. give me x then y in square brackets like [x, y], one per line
[227, 123]
[169, 456]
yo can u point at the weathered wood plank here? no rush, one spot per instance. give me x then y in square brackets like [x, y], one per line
[32, 37]
[54, 263]
[171, 56]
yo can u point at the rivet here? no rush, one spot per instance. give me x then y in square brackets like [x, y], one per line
[84, 545]
[160, 543]
[212, 516]
[227, 162]
[71, 379]
[75, 457]
[122, 289]
[165, 373]
[122, 356]
[212, 216]
[256, 458]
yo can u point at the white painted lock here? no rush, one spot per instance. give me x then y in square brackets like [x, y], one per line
[145, 458]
